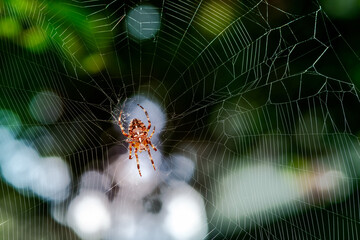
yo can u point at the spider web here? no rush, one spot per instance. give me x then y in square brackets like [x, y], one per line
[254, 104]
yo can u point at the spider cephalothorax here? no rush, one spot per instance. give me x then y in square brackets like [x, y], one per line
[138, 137]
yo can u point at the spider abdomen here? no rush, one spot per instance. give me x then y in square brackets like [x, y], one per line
[137, 130]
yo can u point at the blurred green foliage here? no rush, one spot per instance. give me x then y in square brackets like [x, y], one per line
[33, 24]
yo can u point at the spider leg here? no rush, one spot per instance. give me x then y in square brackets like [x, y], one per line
[152, 145]
[137, 160]
[152, 133]
[121, 126]
[130, 149]
[152, 161]
[147, 116]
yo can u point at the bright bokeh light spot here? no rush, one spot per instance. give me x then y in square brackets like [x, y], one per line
[184, 217]
[329, 180]
[215, 16]
[46, 107]
[125, 174]
[124, 214]
[255, 190]
[23, 168]
[185, 214]
[6, 137]
[331, 185]
[17, 167]
[8, 146]
[89, 215]
[9, 27]
[34, 39]
[182, 167]
[93, 63]
[143, 22]
[51, 179]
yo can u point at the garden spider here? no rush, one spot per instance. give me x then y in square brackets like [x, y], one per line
[138, 137]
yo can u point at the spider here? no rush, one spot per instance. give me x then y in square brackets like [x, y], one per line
[138, 137]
